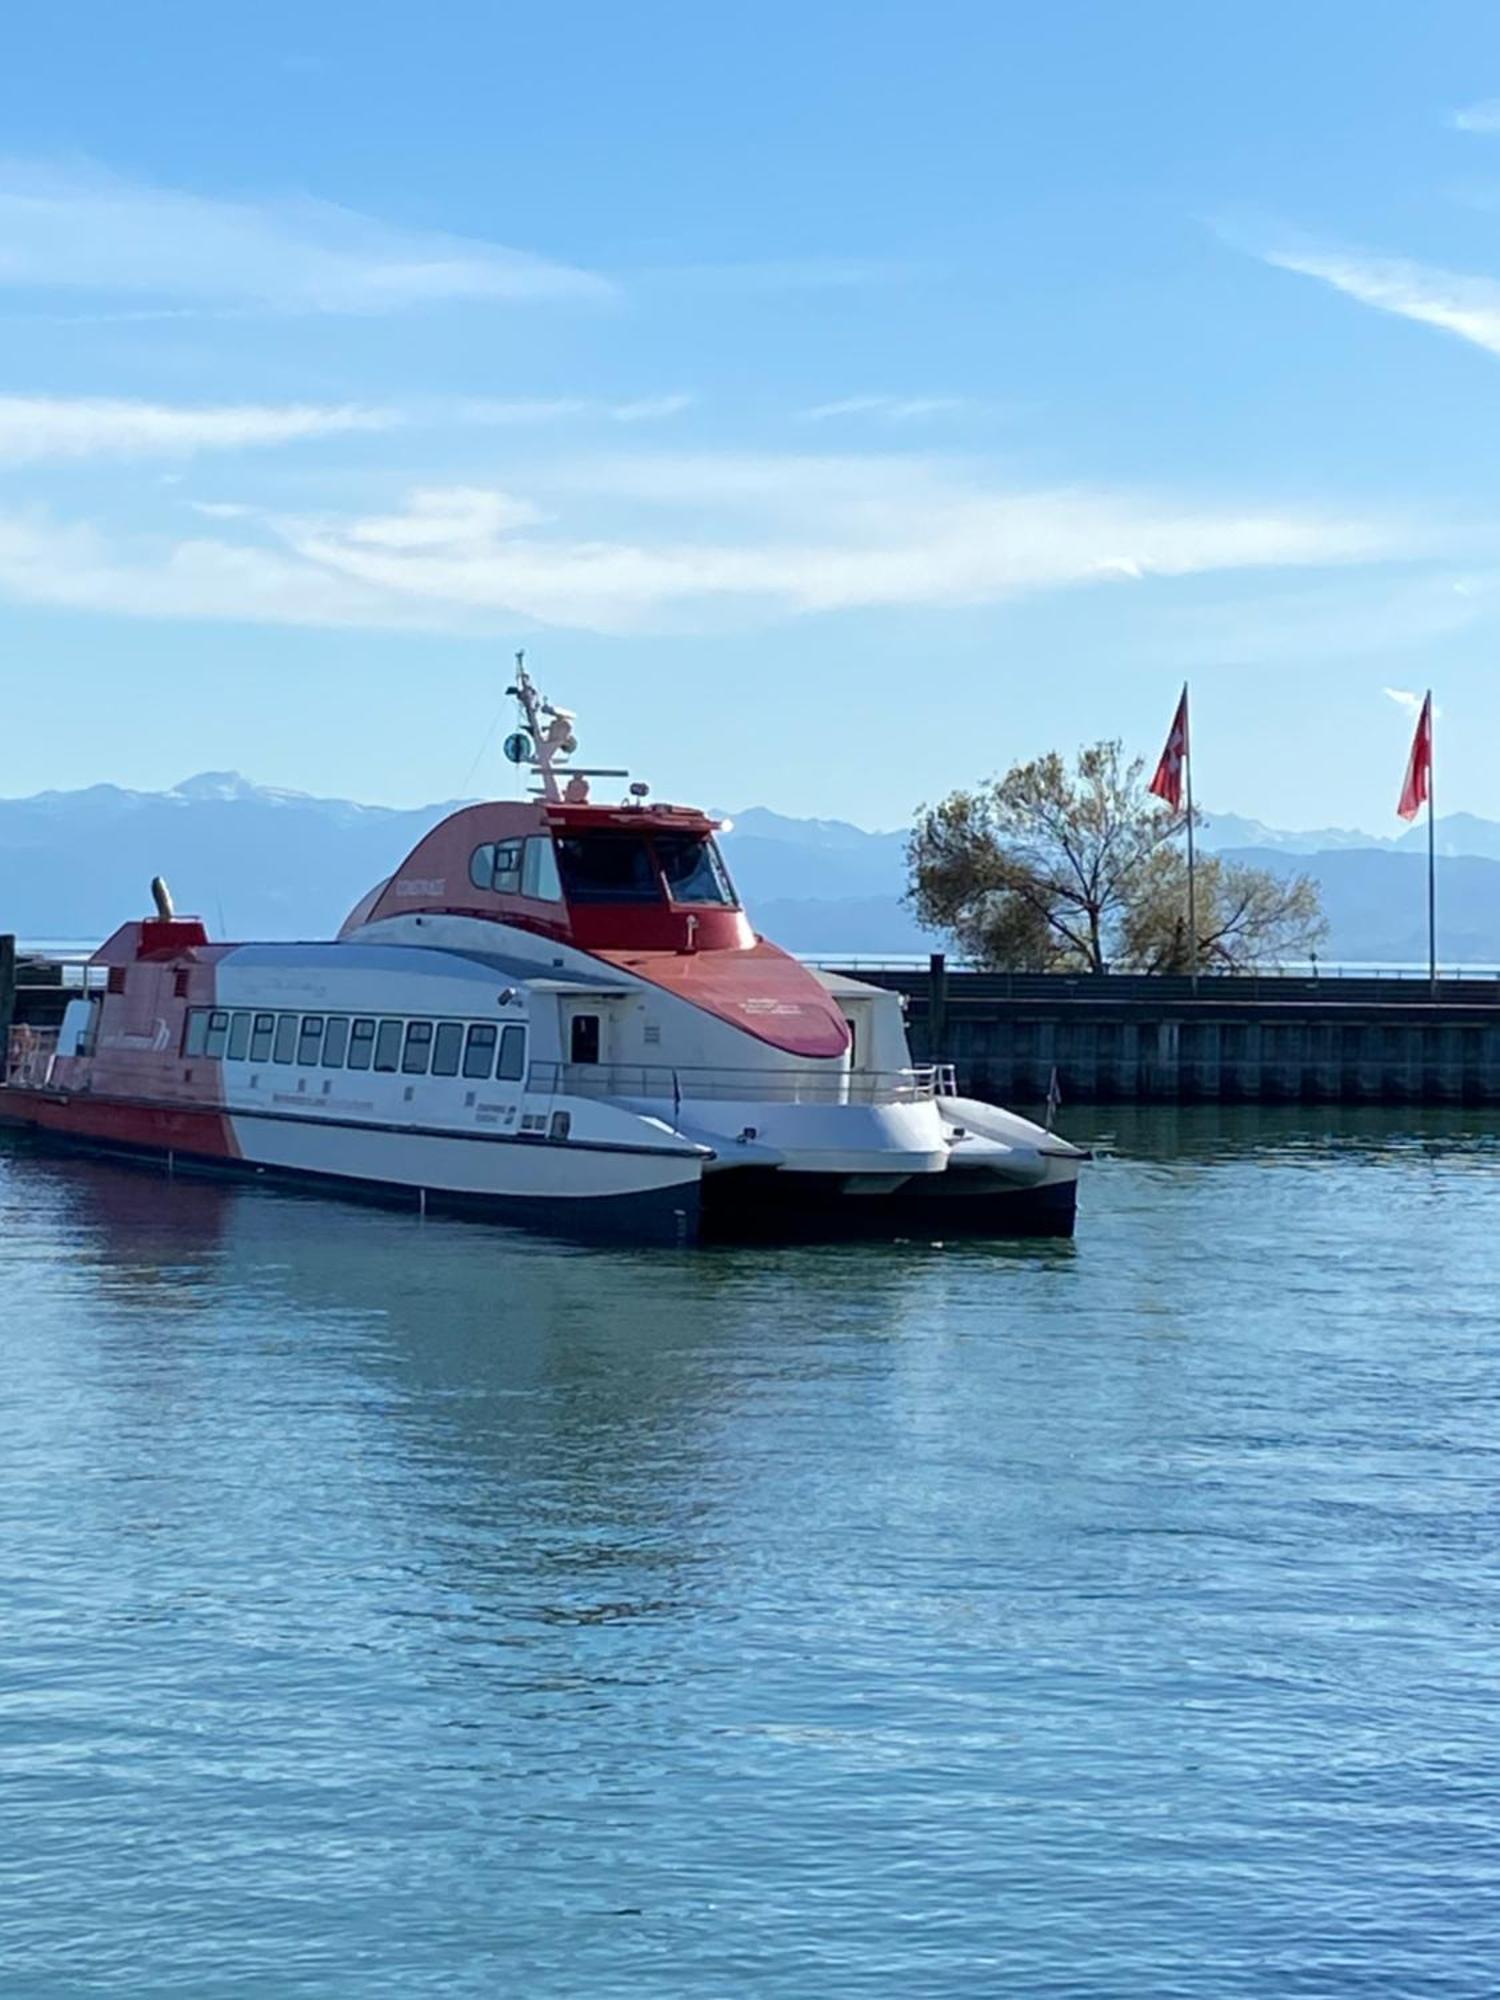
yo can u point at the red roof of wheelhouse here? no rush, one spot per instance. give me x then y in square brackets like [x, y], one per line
[706, 954]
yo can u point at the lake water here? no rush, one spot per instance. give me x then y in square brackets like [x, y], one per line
[394, 1608]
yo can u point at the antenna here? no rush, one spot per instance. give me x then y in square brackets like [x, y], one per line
[542, 746]
[553, 741]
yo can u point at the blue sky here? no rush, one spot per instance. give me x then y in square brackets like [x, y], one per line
[838, 402]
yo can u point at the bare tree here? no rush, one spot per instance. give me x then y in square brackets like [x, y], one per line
[1247, 917]
[1054, 869]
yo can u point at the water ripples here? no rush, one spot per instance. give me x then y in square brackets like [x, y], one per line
[420, 1609]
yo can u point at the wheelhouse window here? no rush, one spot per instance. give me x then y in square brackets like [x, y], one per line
[539, 878]
[497, 866]
[692, 869]
[607, 868]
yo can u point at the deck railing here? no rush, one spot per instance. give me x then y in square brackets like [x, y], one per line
[28, 1057]
[810, 1084]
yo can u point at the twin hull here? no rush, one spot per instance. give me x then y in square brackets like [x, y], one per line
[371, 1066]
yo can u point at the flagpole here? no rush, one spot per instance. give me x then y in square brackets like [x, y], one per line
[1431, 862]
[1187, 763]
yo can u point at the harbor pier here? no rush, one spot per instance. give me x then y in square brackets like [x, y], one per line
[1266, 1038]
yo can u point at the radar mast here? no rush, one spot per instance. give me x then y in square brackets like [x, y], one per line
[552, 738]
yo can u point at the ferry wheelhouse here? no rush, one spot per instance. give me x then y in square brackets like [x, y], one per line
[555, 1011]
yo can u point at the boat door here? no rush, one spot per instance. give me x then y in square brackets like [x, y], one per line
[584, 1042]
[583, 1038]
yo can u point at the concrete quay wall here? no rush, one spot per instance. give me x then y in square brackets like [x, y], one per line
[1255, 1040]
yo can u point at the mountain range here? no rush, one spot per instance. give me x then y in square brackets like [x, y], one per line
[258, 862]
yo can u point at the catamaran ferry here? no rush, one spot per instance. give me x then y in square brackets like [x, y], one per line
[554, 1012]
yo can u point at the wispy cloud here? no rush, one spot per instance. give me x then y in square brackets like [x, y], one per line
[37, 428]
[1481, 117]
[527, 410]
[83, 230]
[650, 409]
[82, 567]
[702, 541]
[458, 520]
[785, 274]
[1410, 701]
[893, 409]
[1452, 300]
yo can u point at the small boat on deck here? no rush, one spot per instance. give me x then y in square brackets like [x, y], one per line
[554, 1012]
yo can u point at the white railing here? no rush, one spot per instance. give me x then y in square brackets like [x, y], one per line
[29, 1057]
[795, 1084]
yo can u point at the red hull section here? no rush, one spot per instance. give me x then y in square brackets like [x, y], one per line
[145, 1127]
[761, 990]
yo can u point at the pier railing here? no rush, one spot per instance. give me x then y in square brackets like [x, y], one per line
[1339, 973]
[1351, 988]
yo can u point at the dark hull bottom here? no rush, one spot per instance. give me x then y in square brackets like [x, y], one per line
[755, 1205]
[748, 1205]
[660, 1217]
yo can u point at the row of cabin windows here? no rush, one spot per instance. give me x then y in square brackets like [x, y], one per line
[475, 1049]
[517, 868]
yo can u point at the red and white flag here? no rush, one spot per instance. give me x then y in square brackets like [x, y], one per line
[1418, 786]
[1167, 784]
